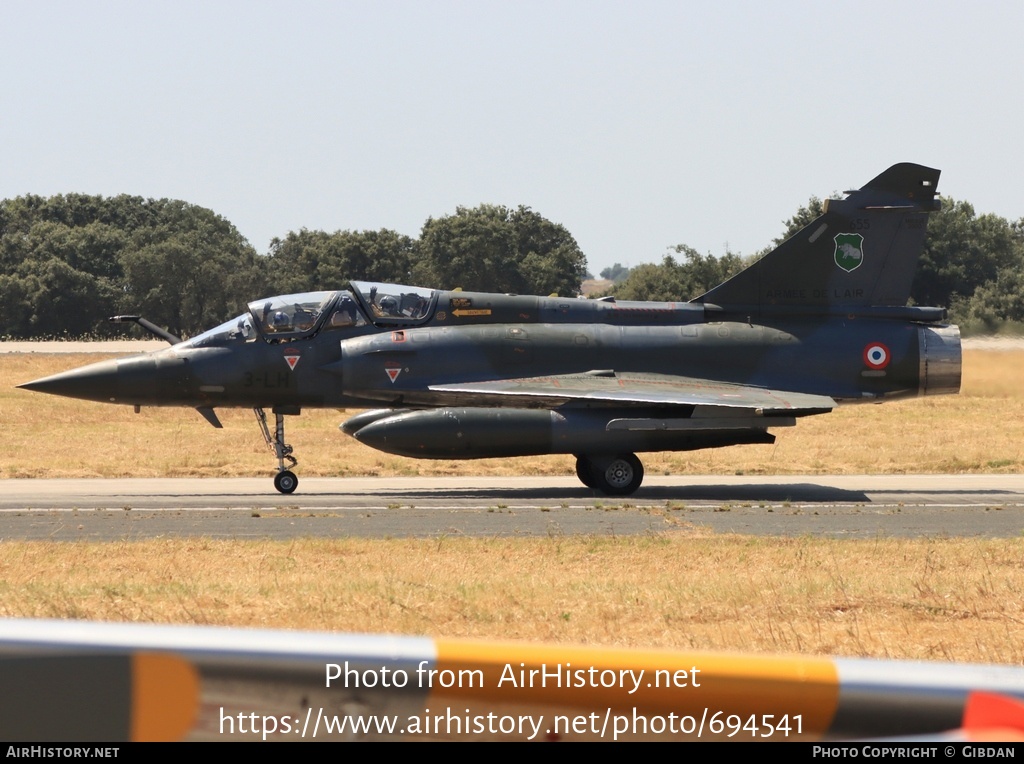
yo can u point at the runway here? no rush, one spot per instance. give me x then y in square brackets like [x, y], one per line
[852, 506]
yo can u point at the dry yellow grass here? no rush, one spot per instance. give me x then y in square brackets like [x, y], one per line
[947, 599]
[980, 430]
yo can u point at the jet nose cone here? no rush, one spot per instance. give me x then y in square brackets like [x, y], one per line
[97, 382]
[143, 380]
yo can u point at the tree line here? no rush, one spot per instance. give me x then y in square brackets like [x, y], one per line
[67, 262]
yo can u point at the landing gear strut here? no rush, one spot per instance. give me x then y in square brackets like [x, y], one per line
[611, 475]
[285, 480]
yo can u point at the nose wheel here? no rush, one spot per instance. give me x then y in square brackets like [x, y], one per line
[285, 480]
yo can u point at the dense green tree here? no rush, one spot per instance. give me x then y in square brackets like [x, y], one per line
[314, 260]
[16, 298]
[190, 271]
[494, 248]
[57, 298]
[672, 280]
[67, 262]
[551, 261]
[994, 304]
[617, 273]
[962, 252]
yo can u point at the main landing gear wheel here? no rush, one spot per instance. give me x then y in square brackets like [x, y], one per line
[613, 476]
[585, 471]
[286, 482]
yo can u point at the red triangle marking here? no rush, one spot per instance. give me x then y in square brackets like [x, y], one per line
[291, 360]
[393, 373]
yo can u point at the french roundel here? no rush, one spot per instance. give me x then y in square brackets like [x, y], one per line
[877, 356]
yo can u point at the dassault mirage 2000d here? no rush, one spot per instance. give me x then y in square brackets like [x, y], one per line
[820, 320]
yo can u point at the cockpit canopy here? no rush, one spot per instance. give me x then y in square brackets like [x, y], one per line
[298, 316]
[395, 303]
[290, 315]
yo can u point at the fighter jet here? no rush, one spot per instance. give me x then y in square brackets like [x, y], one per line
[821, 320]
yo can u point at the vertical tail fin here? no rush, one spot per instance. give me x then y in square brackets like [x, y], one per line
[862, 251]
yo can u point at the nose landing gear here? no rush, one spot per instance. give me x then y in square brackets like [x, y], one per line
[285, 480]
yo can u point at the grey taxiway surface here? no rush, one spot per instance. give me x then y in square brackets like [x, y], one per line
[854, 506]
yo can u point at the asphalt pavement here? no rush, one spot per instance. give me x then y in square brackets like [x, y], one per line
[850, 506]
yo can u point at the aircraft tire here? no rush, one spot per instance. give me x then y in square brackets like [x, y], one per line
[618, 476]
[585, 472]
[286, 482]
